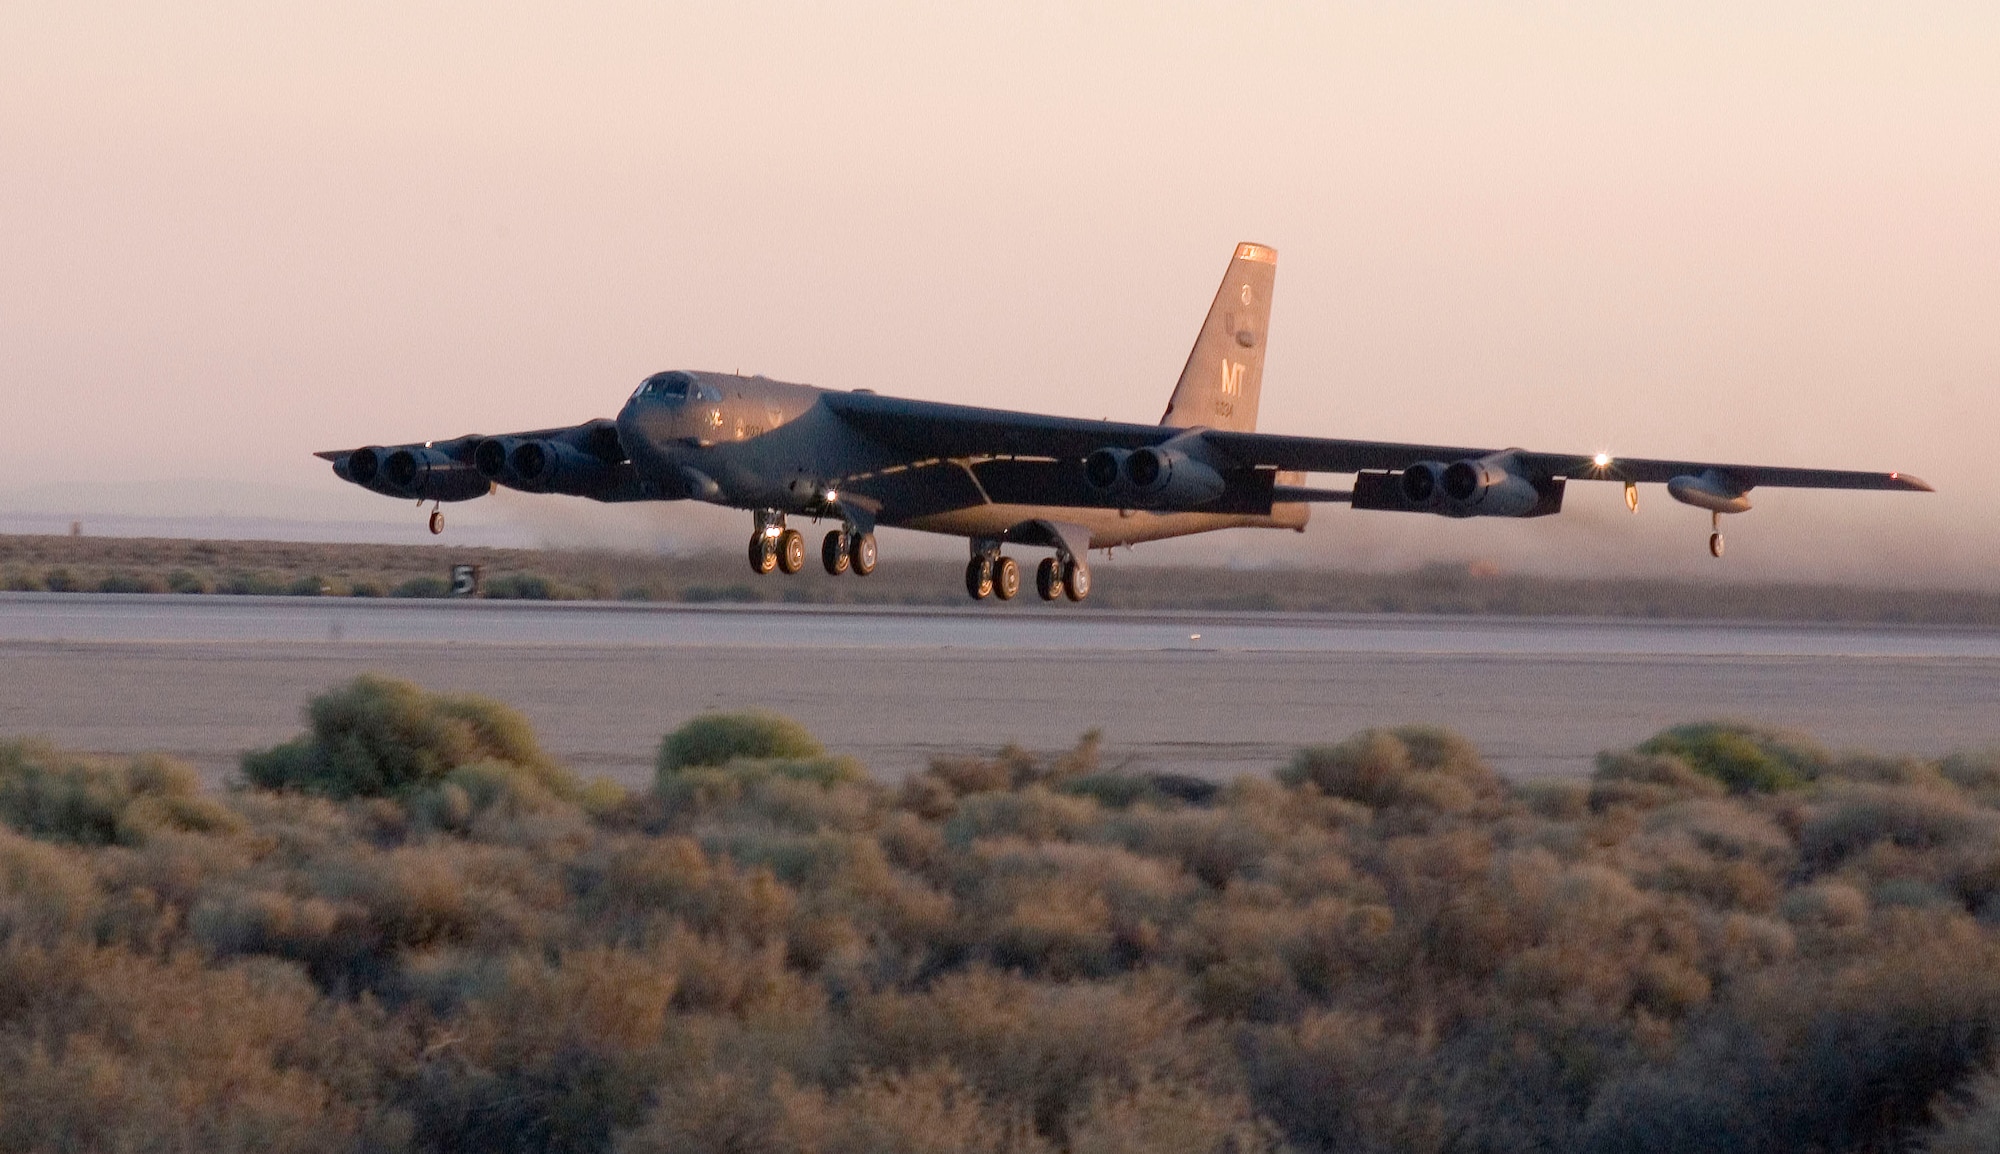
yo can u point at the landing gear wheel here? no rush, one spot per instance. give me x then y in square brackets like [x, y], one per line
[1076, 580]
[763, 553]
[437, 521]
[1006, 578]
[833, 553]
[1715, 544]
[1048, 579]
[791, 551]
[979, 578]
[861, 553]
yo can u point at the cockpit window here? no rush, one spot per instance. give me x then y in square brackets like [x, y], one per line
[674, 386]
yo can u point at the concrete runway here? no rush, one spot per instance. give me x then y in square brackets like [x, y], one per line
[205, 678]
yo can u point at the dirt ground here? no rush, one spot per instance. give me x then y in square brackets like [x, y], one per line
[141, 565]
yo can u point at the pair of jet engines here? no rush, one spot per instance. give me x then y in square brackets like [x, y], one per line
[422, 472]
[584, 462]
[586, 469]
[1492, 486]
[1181, 474]
[1166, 476]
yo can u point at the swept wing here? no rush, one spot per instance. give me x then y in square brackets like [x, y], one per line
[925, 430]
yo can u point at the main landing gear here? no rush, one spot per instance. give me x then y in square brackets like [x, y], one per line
[437, 520]
[841, 551]
[990, 573]
[1715, 534]
[774, 546]
[992, 577]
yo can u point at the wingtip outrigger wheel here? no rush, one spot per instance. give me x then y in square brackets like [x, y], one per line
[1715, 536]
[1632, 496]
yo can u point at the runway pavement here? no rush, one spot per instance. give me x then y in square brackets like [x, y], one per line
[1212, 693]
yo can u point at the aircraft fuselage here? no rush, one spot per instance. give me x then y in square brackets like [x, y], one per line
[755, 443]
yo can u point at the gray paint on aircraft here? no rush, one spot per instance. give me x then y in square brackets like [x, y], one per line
[777, 448]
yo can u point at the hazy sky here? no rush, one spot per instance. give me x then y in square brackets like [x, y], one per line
[232, 234]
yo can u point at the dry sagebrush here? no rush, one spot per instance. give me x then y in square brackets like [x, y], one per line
[410, 929]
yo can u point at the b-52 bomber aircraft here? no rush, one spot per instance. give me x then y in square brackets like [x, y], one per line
[860, 461]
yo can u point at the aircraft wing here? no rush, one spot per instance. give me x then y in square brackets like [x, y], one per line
[926, 430]
[1325, 455]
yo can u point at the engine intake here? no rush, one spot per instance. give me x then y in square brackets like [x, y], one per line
[533, 463]
[362, 465]
[490, 458]
[403, 467]
[1148, 469]
[1423, 484]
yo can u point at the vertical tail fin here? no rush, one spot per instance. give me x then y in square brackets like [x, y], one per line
[1219, 386]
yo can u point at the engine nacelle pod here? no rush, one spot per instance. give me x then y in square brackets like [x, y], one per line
[1488, 487]
[1163, 476]
[1172, 475]
[1709, 490]
[428, 475]
[562, 468]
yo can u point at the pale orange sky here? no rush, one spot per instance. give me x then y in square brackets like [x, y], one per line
[230, 235]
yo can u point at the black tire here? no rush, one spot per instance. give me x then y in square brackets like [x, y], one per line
[763, 553]
[1076, 580]
[1006, 578]
[437, 521]
[861, 553]
[791, 551]
[979, 578]
[1715, 544]
[833, 553]
[1048, 579]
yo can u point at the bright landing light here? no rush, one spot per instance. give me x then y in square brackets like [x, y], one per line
[1601, 460]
